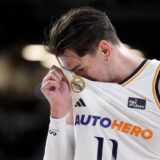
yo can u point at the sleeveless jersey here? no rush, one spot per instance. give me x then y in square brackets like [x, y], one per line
[118, 121]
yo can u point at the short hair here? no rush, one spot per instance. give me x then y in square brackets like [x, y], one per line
[81, 29]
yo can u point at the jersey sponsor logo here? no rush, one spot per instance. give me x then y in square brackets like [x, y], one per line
[121, 126]
[77, 84]
[136, 103]
[80, 103]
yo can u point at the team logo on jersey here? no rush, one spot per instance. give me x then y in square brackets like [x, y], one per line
[136, 103]
[80, 103]
[77, 84]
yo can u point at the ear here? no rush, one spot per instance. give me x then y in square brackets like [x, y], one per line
[105, 48]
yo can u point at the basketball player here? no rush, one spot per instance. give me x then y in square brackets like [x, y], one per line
[115, 95]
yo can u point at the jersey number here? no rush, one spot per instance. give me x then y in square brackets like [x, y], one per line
[100, 148]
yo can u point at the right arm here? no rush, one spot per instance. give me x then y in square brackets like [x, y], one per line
[60, 139]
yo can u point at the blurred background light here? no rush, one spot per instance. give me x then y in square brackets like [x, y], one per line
[34, 52]
[49, 60]
[39, 53]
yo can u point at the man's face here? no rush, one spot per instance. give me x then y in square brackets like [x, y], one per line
[91, 66]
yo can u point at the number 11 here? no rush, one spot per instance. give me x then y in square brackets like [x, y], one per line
[100, 148]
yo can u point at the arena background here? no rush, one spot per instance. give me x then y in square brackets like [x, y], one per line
[24, 113]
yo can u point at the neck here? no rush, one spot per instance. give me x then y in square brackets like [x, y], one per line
[126, 62]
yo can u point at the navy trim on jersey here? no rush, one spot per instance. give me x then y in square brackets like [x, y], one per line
[131, 75]
[156, 86]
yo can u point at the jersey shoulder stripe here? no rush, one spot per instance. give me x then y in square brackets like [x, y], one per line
[155, 84]
[136, 73]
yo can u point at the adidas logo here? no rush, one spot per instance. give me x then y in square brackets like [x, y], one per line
[80, 103]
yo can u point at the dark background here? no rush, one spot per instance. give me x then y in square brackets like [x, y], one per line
[24, 113]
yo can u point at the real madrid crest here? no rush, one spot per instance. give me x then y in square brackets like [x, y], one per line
[77, 84]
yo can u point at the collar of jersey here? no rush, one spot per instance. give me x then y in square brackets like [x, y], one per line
[135, 74]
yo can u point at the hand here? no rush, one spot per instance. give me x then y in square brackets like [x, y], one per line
[56, 89]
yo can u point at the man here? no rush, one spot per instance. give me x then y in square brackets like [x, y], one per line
[119, 91]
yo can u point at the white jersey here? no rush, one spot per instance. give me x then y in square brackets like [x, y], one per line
[118, 121]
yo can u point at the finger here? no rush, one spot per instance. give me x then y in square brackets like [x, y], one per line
[57, 73]
[49, 85]
[61, 74]
[57, 69]
[50, 76]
